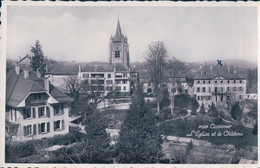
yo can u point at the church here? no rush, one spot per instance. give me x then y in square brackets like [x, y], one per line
[114, 75]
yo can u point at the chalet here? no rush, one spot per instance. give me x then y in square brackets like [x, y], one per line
[35, 109]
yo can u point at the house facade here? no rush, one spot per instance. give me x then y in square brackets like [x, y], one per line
[221, 85]
[35, 109]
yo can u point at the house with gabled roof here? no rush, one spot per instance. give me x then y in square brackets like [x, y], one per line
[35, 109]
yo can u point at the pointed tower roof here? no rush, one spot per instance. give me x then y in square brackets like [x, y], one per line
[118, 34]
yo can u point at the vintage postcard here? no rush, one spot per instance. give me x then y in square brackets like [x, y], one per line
[108, 84]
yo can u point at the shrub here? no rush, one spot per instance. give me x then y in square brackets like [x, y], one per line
[202, 109]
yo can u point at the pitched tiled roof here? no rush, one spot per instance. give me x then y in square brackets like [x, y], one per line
[105, 67]
[63, 69]
[17, 88]
[207, 73]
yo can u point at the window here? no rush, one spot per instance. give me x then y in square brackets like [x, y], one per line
[59, 125]
[227, 89]
[234, 81]
[37, 96]
[234, 89]
[109, 81]
[240, 97]
[108, 75]
[216, 89]
[203, 82]
[117, 82]
[209, 97]
[209, 82]
[85, 75]
[124, 81]
[221, 98]
[198, 82]
[198, 89]
[203, 89]
[58, 109]
[198, 97]
[221, 81]
[228, 81]
[109, 88]
[222, 89]
[118, 88]
[240, 89]
[117, 54]
[209, 89]
[240, 81]
[27, 113]
[124, 88]
[227, 97]
[216, 81]
[94, 82]
[27, 130]
[124, 75]
[44, 127]
[41, 112]
[216, 98]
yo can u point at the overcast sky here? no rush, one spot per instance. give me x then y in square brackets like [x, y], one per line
[83, 33]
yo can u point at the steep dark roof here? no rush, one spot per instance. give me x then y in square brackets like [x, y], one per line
[17, 88]
[217, 71]
[118, 36]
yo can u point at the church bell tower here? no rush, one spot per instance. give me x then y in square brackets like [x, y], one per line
[119, 48]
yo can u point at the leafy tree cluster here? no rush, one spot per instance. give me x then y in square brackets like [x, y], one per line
[139, 140]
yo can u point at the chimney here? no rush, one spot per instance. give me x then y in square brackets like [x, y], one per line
[211, 69]
[79, 68]
[26, 73]
[17, 69]
[38, 73]
[228, 69]
[200, 67]
[47, 84]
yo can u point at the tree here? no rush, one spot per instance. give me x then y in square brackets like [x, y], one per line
[194, 105]
[38, 60]
[139, 140]
[213, 112]
[155, 62]
[202, 109]
[255, 130]
[181, 100]
[236, 112]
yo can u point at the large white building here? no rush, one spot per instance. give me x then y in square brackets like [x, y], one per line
[221, 85]
[35, 109]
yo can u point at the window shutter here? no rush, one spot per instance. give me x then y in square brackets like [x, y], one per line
[34, 129]
[24, 131]
[39, 128]
[54, 125]
[24, 113]
[34, 113]
[39, 112]
[48, 127]
[48, 111]
[63, 125]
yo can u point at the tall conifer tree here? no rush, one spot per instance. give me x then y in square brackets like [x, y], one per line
[139, 141]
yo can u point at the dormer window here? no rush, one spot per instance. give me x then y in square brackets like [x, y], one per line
[117, 54]
[37, 96]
